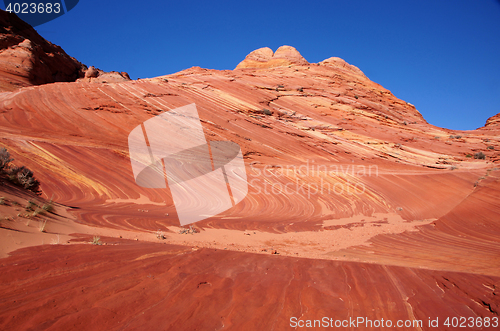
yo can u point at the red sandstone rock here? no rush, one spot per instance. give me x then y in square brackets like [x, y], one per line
[28, 59]
[91, 72]
[74, 137]
[265, 58]
[493, 121]
[95, 75]
[342, 65]
[162, 287]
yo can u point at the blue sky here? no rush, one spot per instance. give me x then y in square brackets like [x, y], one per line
[442, 56]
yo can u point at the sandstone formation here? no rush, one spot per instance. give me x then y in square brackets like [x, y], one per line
[28, 59]
[162, 287]
[341, 65]
[265, 58]
[95, 75]
[493, 121]
[356, 206]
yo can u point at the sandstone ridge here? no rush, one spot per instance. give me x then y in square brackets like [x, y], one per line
[27, 59]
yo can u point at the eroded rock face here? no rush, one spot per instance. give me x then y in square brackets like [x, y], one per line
[28, 59]
[493, 121]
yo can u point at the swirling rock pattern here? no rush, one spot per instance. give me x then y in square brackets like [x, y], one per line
[321, 142]
[158, 287]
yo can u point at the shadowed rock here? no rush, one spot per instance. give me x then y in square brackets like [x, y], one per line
[28, 59]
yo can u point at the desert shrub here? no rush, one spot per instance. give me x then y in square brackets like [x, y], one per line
[191, 230]
[37, 212]
[480, 156]
[48, 206]
[160, 235]
[490, 147]
[30, 205]
[18, 175]
[96, 240]
[4, 159]
[24, 177]
[468, 155]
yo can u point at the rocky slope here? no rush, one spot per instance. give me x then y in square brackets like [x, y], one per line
[492, 122]
[28, 59]
[374, 211]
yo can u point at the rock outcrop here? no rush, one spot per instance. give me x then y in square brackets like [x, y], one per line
[265, 58]
[27, 59]
[493, 121]
[96, 75]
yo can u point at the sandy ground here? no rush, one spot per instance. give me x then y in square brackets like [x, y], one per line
[20, 228]
[334, 236]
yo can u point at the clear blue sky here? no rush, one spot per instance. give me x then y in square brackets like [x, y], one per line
[443, 56]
